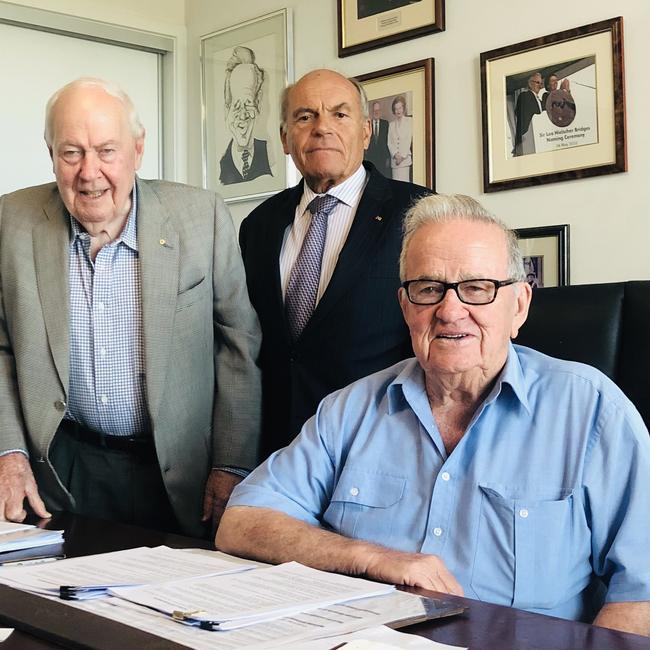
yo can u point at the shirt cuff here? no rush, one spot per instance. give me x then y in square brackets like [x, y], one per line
[13, 451]
[239, 471]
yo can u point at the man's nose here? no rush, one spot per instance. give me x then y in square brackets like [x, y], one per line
[450, 307]
[323, 124]
[90, 165]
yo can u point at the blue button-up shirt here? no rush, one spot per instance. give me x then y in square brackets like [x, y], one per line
[542, 505]
[107, 380]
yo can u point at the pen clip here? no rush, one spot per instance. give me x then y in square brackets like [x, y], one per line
[180, 615]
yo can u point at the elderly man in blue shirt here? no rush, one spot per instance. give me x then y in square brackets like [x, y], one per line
[479, 467]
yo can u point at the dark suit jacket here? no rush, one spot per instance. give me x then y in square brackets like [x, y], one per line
[526, 107]
[377, 152]
[357, 327]
[259, 167]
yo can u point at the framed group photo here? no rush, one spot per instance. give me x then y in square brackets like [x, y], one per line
[401, 110]
[553, 108]
[244, 69]
[366, 24]
[545, 251]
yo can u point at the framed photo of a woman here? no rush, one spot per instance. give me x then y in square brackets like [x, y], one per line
[367, 24]
[243, 71]
[554, 108]
[400, 106]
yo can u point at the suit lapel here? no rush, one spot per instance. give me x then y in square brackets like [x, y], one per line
[370, 223]
[158, 246]
[51, 258]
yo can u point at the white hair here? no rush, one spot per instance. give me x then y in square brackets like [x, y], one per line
[443, 208]
[87, 82]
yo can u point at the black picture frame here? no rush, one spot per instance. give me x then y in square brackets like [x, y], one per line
[547, 249]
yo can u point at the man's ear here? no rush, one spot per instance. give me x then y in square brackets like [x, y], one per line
[139, 150]
[283, 138]
[522, 303]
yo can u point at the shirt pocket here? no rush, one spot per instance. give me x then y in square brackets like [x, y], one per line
[525, 547]
[364, 505]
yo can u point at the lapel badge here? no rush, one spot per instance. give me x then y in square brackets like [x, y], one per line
[378, 218]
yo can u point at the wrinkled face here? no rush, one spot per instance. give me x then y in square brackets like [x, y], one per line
[398, 109]
[95, 155]
[376, 111]
[326, 133]
[243, 110]
[452, 339]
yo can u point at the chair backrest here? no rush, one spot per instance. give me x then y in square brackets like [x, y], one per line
[604, 325]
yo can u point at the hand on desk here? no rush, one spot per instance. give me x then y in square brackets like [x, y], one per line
[17, 483]
[217, 492]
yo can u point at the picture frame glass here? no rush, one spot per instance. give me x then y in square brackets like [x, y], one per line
[541, 261]
[244, 70]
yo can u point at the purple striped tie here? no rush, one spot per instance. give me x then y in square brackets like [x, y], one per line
[300, 297]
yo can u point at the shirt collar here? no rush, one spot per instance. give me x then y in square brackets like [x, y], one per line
[129, 232]
[409, 383]
[347, 192]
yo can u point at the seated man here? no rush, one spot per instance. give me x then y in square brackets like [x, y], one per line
[479, 467]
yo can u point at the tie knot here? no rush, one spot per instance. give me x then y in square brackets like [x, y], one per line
[324, 203]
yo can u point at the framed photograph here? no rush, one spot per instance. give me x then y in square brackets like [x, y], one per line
[554, 108]
[243, 71]
[400, 105]
[367, 24]
[546, 255]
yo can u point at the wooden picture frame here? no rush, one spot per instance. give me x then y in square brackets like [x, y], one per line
[411, 84]
[553, 108]
[257, 54]
[366, 24]
[546, 255]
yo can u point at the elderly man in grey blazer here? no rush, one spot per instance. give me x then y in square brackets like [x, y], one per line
[128, 381]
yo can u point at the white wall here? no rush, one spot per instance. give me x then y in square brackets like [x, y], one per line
[610, 224]
[159, 16]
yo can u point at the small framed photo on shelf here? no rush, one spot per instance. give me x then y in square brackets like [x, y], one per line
[401, 109]
[553, 108]
[244, 69]
[546, 255]
[367, 24]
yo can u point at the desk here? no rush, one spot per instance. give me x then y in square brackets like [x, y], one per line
[481, 627]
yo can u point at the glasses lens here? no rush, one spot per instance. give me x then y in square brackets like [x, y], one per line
[476, 292]
[426, 292]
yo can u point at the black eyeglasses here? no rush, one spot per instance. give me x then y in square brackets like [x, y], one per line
[471, 292]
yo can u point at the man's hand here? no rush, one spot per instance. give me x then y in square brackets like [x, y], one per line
[413, 569]
[16, 483]
[217, 492]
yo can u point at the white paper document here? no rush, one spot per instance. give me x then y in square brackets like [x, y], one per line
[227, 602]
[19, 536]
[93, 574]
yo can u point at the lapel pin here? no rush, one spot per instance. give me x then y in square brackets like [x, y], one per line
[378, 218]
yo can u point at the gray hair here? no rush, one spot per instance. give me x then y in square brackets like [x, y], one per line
[443, 208]
[88, 82]
[284, 102]
[239, 56]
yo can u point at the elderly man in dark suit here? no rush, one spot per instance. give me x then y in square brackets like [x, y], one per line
[321, 258]
[128, 383]
[377, 152]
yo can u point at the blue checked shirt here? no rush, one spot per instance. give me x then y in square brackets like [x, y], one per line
[107, 380]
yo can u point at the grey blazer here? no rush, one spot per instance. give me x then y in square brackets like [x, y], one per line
[201, 336]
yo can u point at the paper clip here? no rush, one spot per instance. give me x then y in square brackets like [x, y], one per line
[180, 615]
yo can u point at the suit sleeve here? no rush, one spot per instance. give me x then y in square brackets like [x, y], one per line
[12, 426]
[237, 337]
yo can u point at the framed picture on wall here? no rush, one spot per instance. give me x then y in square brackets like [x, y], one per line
[553, 108]
[243, 71]
[546, 255]
[400, 105]
[367, 24]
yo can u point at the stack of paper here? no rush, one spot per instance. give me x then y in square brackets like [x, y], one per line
[16, 537]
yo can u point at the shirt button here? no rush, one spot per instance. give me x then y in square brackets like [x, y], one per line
[103, 399]
[354, 491]
[437, 532]
[523, 513]
[100, 306]
[102, 352]
[445, 476]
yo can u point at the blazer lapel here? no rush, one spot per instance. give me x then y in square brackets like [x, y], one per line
[51, 258]
[158, 246]
[370, 222]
